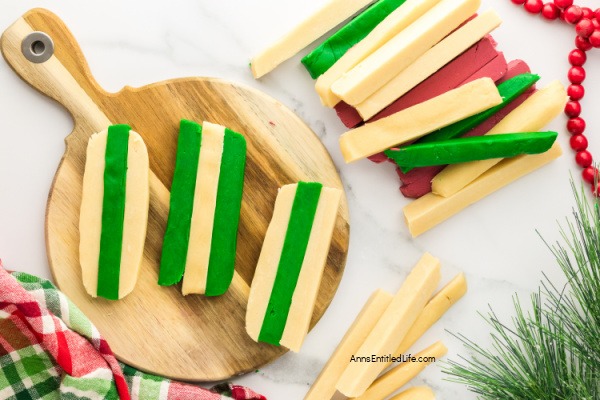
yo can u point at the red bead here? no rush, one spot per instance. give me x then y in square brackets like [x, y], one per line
[534, 6]
[563, 3]
[597, 13]
[583, 158]
[590, 175]
[576, 126]
[578, 142]
[576, 92]
[582, 43]
[573, 109]
[572, 15]
[518, 2]
[577, 58]
[596, 23]
[550, 11]
[576, 75]
[584, 28]
[587, 12]
[594, 39]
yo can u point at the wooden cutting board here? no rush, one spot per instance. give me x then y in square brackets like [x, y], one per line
[156, 329]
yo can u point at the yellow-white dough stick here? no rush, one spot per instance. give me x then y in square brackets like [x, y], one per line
[399, 19]
[416, 393]
[311, 272]
[322, 21]
[324, 385]
[428, 211]
[434, 310]
[203, 211]
[535, 113]
[435, 58]
[136, 212]
[420, 119]
[393, 325]
[400, 375]
[266, 270]
[402, 50]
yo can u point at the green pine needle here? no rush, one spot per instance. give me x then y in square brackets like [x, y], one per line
[551, 352]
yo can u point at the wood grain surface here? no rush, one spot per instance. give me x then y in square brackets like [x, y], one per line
[157, 329]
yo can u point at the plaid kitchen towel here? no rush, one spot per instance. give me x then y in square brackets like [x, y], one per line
[50, 350]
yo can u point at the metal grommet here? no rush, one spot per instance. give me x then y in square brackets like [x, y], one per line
[37, 47]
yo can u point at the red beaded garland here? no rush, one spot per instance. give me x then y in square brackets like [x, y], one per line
[576, 126]
[534, 6]
[587, 29]
[573, 109]
[583, 158]
[572, 14]
[578, 142]
[550, 11]
[576, 75]
[584, 28]
[576, 92]
[590, 175]
[577, 57]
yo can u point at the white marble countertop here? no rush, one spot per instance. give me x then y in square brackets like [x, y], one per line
[494, 241]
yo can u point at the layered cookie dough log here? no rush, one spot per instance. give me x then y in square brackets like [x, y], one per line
[114, 212]
[288, 274]
[206, 195]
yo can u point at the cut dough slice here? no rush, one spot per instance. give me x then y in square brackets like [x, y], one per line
[201, 236]
[114, 212]
[290, 266]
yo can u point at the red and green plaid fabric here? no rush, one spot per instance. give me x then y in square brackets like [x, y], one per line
[50, 350]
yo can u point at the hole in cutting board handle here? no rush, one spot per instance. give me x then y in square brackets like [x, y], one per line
[37, 47]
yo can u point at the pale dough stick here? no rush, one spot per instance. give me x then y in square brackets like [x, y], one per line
[435, 58]
[393, 325]
[324, 385]
[400, 375]
[394, 23]
[428, 211]
[402, 50]
[136, 212]
[416, 393]
[535, 113]
[203, 214]
[433, 311]
[328, 17]
[420, 119]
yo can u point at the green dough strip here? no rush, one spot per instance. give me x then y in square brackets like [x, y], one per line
[290, 263]
[177, 235]
[113, 211]
[461, 150]
[509, 90]
[323, 57]
[227, 214]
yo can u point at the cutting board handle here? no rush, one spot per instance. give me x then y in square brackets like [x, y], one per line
[42, 50]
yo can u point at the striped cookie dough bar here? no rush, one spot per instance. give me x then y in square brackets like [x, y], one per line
[288, 274]
[206, 195]
[114, 212]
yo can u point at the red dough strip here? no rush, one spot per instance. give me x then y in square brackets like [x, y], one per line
[448, 77]
[417, 182]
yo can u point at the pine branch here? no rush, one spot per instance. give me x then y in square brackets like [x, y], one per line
[552, 351]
